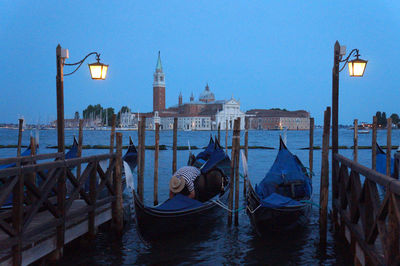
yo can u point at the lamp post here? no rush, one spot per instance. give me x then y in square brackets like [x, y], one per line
[356, 69]
[98, 71]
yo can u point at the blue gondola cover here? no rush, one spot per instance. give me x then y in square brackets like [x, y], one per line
[381, 162]
[179, 202]
[287, 179]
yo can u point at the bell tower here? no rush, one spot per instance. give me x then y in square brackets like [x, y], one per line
[159, 87]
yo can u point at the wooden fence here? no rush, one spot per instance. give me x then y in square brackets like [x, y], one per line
[366, 211]
[43, 215]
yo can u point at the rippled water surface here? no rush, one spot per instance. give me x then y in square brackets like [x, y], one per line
[217, 243]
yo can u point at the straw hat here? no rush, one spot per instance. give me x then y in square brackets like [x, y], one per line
[176, 184]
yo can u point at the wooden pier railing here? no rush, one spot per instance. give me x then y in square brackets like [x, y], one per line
[32, 227]
[366, 211]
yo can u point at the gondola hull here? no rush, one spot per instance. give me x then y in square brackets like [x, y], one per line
[265, 220]
[154, 223]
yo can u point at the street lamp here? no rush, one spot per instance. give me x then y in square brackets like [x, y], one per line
[97, 71]
[356, 69]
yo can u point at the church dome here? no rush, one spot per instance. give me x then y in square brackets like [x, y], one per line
[207, 95]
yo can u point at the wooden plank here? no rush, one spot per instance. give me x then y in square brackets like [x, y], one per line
[29, 158]
[61, 193]
[92, 195]
[106, 178]
[393, 247]
[381, 179]
[17, 218]
[174, 144]
[51, 165]
[6, 188]
[156, 151]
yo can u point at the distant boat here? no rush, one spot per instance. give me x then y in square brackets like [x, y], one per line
[281, 201]
[363, 131]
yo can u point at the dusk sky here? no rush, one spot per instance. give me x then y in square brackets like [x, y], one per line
[265, 53]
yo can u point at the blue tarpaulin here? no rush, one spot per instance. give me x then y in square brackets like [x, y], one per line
[179, 202]
[204, 155]
[286, 178]
[276, 200]
[381, 161]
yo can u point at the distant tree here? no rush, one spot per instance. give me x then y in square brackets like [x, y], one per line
[76, 117]
[378, 117]
[384, 119]
[395, 118]
[92, 111]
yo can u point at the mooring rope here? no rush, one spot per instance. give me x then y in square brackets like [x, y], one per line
[220, 204]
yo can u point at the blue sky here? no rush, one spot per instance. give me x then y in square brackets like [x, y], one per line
[265, 53]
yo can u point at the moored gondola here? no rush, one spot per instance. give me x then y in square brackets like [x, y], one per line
[281, 201]
[381, 161]
[181, 212]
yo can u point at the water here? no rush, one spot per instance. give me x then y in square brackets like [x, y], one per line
[219, 244]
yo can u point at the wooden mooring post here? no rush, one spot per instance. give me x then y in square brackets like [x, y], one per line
[226, 137]
[20, 125]
[246, 149]
[219, 132]
[80, 143]
[234, 151]
[32, 177]
[156, 151]
[117, 206]
[311, 150]
[355, 141]
[388, 146]
[112, 134]
[237, 156]
[324, 182]
[174, 144]
[141, 157]
[373, 146]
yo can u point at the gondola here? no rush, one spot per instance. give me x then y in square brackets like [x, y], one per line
[281, 201]
[381, 161]
[181, 212]
[131, 155]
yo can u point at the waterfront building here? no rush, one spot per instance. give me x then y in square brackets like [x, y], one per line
[276, 119]
[230, 111]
